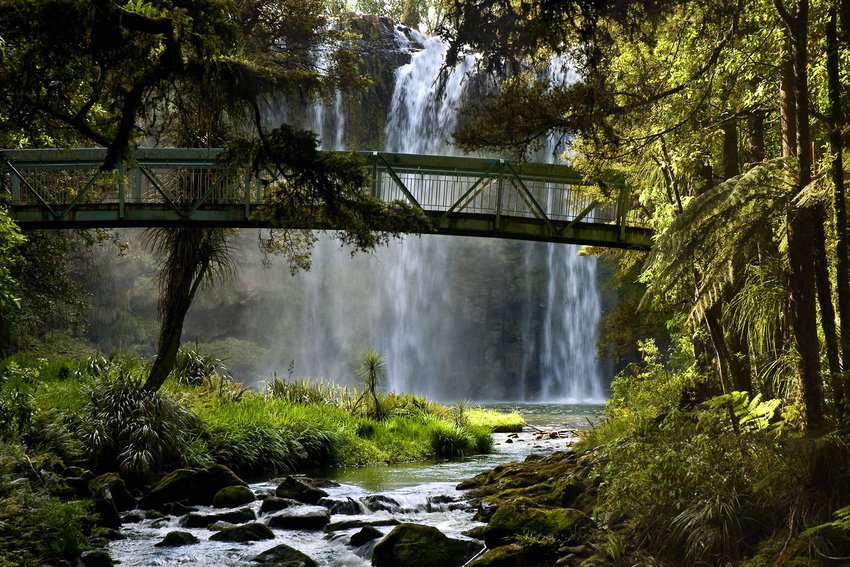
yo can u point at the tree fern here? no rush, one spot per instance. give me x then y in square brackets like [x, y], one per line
[714, 234]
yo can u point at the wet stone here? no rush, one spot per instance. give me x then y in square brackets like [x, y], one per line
[301, 518]
[273, 503]
[177, 539]
[254, 531]
[203, 520]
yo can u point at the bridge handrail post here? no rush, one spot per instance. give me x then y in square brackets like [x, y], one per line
[16, 190]
[622, 211]
[499, 194]
[248, 180]
[122, 189]
[375, 186]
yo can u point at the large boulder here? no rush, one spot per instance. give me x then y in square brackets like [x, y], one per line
[124, 501]
[233, 496]
[415, 545]
[302, 489]
[284, 555]
[524, 515]
[301, 518]
[254, 531]
[190, 486]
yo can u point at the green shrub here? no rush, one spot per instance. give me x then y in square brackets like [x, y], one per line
[449, 440]
[136, 432]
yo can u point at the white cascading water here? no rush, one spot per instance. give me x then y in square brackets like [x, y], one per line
[405, 307]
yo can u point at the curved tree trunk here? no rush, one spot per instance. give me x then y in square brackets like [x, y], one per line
[188, 254]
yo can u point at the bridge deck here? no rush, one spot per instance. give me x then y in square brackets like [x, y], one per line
[174, 186]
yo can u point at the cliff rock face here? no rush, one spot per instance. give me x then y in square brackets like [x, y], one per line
[384, 47]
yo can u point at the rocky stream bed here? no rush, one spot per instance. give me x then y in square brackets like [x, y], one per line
[498, 517]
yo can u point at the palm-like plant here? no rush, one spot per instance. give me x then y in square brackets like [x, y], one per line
[190, 258]
[372, 371]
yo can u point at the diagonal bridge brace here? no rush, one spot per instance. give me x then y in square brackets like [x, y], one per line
[32, 190]
[399, 182]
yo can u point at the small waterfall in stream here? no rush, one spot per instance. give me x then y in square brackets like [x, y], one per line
[522, 327]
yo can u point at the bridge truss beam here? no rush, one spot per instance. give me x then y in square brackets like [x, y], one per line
[179, 187]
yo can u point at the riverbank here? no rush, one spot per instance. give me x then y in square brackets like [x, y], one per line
[68, 421]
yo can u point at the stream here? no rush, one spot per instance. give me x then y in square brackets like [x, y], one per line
[422, 493]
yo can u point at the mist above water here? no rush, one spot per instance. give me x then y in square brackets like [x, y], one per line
[485, 319]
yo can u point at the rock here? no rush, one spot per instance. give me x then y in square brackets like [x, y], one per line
[203, 520]
[79, 486]
[366, 534]
[124, 501]
[220, 526]
[301, 518]
[349, 506]
[273, 504]
[177, 539]
[178, 509]
[96, 558]
[475, 533]
[132, 518]
[108, 534]
[190, 486]
[504, 556]
[348, 524]
[381, 503]
[415, 545]
[523, 515]
[254, 531]
[485, 511]
[105, 508]
[233, 496]
[153, 515]
[300, 489]
[284, 555]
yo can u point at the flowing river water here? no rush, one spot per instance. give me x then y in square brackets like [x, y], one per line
[422, 493]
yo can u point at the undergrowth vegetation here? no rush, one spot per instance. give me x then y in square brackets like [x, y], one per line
[92, 412]
[728, 480]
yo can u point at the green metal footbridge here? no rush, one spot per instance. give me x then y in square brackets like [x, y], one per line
[179, 187]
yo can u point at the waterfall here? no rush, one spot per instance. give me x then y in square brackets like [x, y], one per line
[484, 319]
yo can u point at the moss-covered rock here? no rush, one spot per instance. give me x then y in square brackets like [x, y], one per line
[524, 515]
[233, 496]
[504, 556]
[190, 486]
[124, 501]
[415, 545]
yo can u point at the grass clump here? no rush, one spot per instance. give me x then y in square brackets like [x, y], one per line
[496, 421]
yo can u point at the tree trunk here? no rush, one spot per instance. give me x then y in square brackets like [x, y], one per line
[836, 145]
[738, 343]
[185, 267]
[799, 223]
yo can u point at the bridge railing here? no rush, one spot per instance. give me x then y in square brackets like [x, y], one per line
[185, 181]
